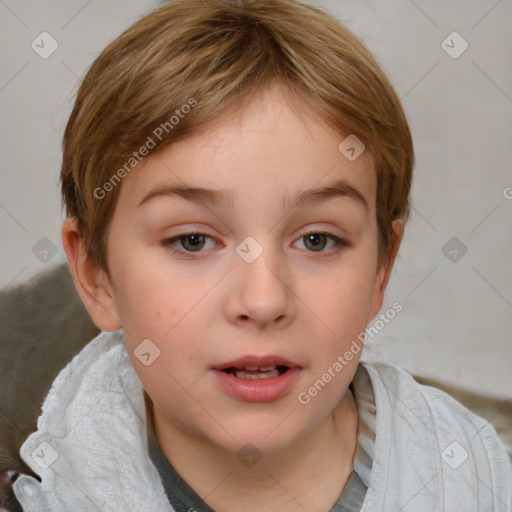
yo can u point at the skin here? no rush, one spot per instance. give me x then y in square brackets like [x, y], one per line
[294, 301]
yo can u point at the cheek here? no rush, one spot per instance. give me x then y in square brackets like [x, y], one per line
[342, 305]
[151, 298]
[344, 299]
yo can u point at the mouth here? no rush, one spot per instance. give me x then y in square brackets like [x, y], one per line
[257, 379]
[257, 367]
[257, 372]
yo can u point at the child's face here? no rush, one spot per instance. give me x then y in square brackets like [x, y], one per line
[209, 306]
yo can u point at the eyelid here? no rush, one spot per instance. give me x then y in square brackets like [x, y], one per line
[167, 243]
[339, 243]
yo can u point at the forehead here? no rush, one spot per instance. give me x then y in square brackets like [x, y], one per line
[269, 152]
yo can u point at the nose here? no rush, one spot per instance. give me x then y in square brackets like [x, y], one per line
[260, 294]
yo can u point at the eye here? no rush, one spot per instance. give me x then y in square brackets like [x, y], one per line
[192, 242]
[186, 244]
[315, 241]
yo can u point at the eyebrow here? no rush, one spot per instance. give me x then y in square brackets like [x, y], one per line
[340, 188]
[196, 194]
[219, 197]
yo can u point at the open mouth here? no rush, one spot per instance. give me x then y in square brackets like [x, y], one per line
[257, 378]
[256, 372]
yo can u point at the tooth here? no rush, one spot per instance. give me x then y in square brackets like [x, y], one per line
[241, 374]
[267, 368]
[251, 368]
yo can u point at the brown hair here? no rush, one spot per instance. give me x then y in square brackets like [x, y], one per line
[215, 55]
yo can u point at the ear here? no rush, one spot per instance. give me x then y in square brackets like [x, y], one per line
[92, 283]
[383, 273]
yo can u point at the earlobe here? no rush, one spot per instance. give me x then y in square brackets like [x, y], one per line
[91, 282]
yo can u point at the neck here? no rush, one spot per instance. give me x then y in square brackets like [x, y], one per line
[310, 474]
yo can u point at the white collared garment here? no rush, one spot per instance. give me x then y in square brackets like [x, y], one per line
[90, 448]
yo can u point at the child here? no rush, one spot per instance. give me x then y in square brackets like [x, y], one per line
[236, 178]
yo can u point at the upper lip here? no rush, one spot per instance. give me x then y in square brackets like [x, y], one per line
[260, 361]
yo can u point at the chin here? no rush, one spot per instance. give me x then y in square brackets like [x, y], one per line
[263, 434]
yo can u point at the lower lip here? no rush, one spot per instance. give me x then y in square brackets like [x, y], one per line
[257, 390]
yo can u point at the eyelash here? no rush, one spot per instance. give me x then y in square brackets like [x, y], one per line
[339, 244]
